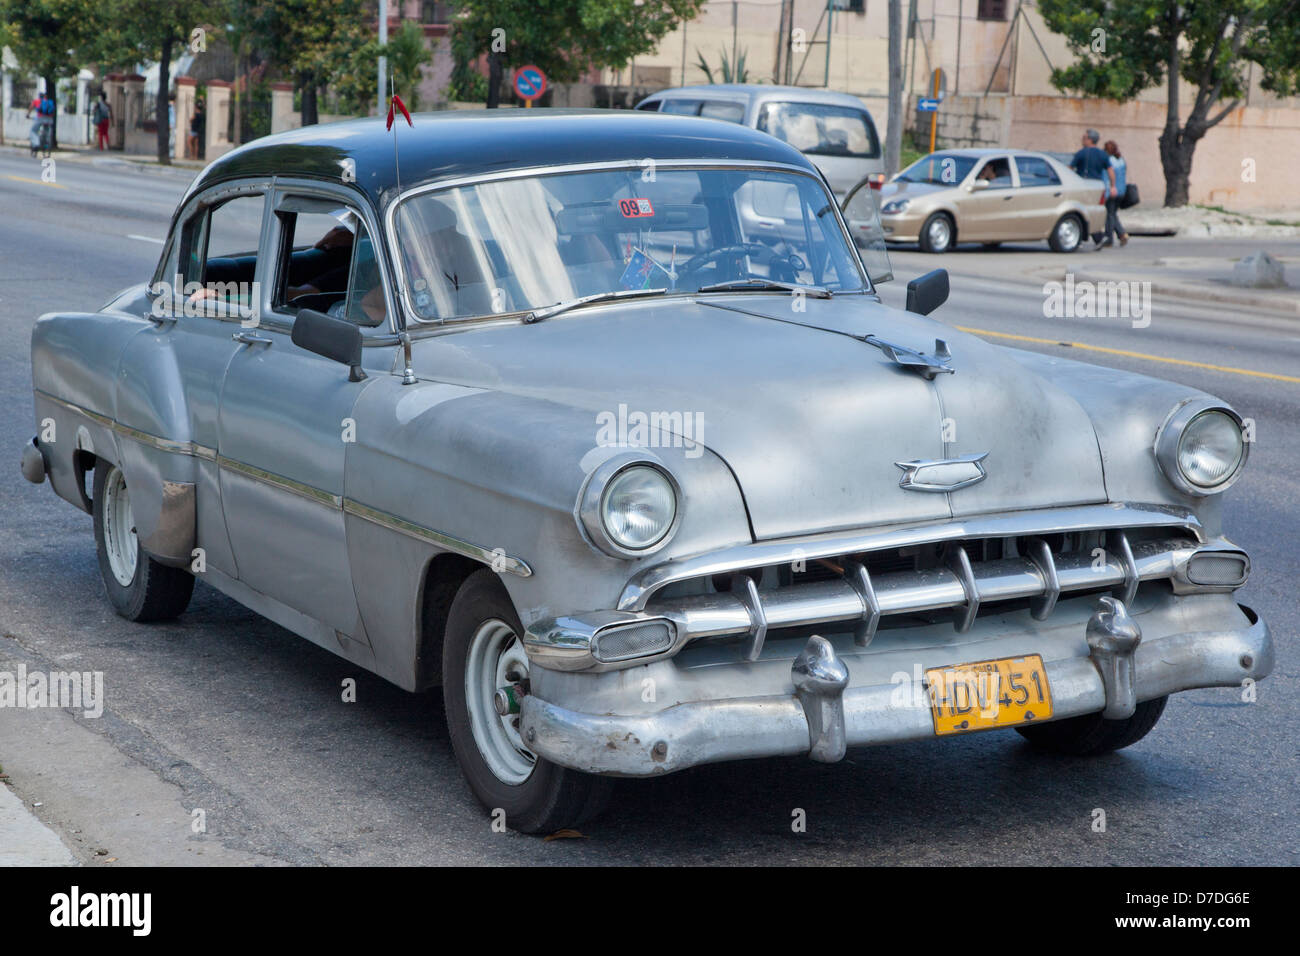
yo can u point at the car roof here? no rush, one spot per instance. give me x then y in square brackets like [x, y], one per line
[765, 91]
[977, 152]
[460, 143]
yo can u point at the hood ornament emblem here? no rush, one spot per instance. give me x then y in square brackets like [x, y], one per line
[928, 365]
[942, 474]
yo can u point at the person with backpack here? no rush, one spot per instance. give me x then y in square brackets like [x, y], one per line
[42, 133]
[101, 115]
[1115, 195]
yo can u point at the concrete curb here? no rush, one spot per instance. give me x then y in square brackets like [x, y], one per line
[25, 840]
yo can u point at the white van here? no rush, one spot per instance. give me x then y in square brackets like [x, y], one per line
[834, 130]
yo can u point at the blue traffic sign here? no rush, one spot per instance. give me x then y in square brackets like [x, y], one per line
[927, 105]
[530, 82]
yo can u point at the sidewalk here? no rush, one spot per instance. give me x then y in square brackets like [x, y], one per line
[114, 158]
[1205, 278]
[25, 840]
[1197, 222]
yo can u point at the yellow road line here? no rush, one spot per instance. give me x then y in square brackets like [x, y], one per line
[38, 182]
[1137, 355]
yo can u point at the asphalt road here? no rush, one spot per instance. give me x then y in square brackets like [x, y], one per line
[227, 713]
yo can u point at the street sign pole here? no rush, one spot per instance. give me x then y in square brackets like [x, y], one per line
[382, 103]
[934, 116]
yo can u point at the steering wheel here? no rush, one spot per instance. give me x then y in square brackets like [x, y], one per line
[698, 262]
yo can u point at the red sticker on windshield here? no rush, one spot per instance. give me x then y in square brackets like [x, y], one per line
[635, 208]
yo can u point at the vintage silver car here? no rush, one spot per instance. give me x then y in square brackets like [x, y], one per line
[525, 407]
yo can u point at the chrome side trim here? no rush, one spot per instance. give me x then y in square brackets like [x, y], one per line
[643, 586]
[170, 445]
[279, 481]
[497, 559]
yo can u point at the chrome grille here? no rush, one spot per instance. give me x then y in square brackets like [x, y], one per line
[954, 577]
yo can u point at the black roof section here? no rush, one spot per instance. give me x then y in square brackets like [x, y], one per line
[453, 144]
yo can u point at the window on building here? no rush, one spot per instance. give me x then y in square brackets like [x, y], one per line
[992, 10]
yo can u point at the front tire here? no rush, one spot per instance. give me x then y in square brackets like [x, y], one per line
[1090, 735]
[1066, 234]
[482, 652]
[938, 234]
[139, 588]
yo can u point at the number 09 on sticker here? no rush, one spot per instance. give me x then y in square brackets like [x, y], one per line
[635, 208]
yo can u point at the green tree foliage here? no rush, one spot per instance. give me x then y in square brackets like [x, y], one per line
[1127, 46]
[314, 41]
[406, 52]
[565, 38]
[51, 38]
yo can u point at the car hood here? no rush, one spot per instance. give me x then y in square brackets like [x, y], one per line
[809, 417]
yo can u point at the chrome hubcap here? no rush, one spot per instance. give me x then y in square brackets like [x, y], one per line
[940, 234]
[119, 529]
[496, 659]
[1068, 233]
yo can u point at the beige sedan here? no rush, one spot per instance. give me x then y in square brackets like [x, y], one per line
[990, 196]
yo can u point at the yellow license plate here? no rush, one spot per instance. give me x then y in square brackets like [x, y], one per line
[999, 693]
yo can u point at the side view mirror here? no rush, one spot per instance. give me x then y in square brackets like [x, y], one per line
[926, 293]
[977, 185]
[331, 338]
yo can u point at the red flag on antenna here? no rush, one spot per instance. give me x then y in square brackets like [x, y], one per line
[397, 100]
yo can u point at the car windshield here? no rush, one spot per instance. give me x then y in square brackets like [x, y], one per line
[938, 168]
[521, 244]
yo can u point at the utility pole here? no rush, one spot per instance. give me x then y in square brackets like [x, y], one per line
[382, 103]
[894, 126]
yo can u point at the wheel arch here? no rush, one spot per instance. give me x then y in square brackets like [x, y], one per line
[443, 577]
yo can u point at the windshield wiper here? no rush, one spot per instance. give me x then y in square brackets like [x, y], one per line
[767, 285]
[537, 315]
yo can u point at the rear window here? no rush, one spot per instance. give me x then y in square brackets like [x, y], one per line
[822, 130]
[1035, 171]
[726, 110]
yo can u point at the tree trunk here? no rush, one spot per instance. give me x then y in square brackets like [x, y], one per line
[894, 128]
[494, 81]
[310, 117]
[163, 115]
[52, 88]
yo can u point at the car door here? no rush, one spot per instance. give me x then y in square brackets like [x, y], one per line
[1040, 197]
[986, 213]
[199, 298]
[286, 413]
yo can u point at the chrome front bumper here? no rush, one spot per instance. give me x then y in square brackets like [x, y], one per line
[730, 710]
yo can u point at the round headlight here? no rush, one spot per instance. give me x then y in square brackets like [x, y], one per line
[638, 507]
[1210, 449]
[1201, 448]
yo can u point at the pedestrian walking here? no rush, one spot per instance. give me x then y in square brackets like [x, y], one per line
[1118, 186]
[1091, 162]
[198, 124]
[101, 115]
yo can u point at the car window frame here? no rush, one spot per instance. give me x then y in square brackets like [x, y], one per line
[1011, 166]
[1046, 162]
[285, 187]
[199, 207]
[411, 319]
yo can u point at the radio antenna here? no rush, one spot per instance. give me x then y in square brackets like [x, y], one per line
[396, 101]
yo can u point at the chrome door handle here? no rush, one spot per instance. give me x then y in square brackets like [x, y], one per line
[251, 338]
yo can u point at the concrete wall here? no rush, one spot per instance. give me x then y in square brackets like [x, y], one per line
[1262, 140]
